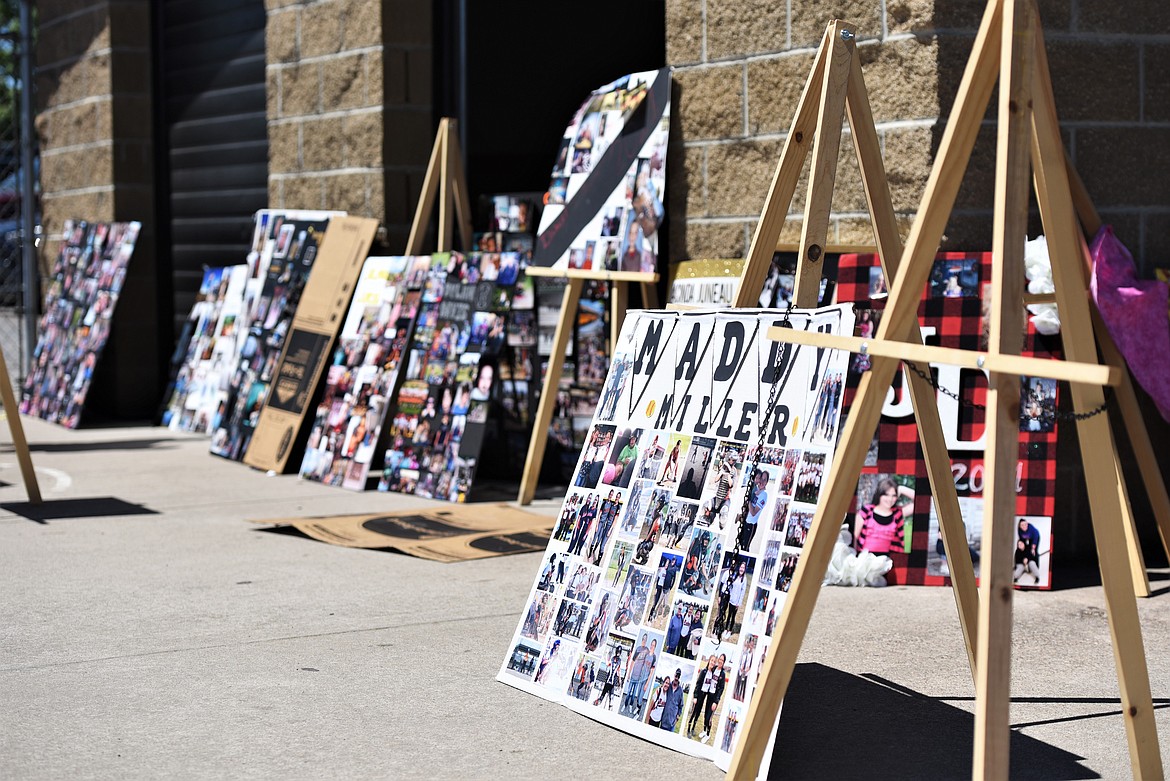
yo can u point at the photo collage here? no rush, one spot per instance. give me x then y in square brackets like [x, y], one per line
[363, 374]
[218, 319]
[290, 247]
[79, 304]
[438, 421]
[894, 514]
[605, 202]
[669, 563]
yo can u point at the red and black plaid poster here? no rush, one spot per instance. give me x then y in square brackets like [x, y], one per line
[892, 513]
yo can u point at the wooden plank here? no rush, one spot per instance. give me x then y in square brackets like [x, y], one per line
[831, 248]
[650, 295]
[446, 191]
[619, 302]
[548, 391]
[946, 175]
[1098, 453]
[1020, 365]
[784, 180]
[901, 311]
[459, 194]
[1077, 278]
[922, 394]
[826, 151]
[426, 199]
[601, 274]
[1002, 450]
[16, 429]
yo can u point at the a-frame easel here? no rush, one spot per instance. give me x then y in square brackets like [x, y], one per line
[446, 183]
[619, 282]
[1009, 46]
[835, 91]
[16, 429]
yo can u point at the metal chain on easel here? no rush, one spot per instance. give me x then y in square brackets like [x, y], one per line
[1058, 414]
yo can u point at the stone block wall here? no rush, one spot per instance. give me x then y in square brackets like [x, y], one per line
[94, 120]
[740, 68]
[349, 107]
[93, 103]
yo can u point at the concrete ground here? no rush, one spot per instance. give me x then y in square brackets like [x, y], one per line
[148, 630]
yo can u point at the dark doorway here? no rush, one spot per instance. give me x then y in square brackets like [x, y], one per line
[211, 138]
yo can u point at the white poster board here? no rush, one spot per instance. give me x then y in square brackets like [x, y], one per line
[643, 582]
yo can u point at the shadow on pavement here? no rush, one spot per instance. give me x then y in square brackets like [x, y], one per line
[78, 447]
[842, 726]
[60, 509]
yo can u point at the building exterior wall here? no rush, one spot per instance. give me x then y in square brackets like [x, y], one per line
[741, 65]
[94, 122]
[349, 107]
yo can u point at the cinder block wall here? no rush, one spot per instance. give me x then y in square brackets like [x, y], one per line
[741, 64]
[94, 107]
[349, 107]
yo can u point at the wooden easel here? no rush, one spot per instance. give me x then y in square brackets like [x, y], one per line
[445, 182]
[1010, 34]
[619, 298]
[835, 91]
[16, 429]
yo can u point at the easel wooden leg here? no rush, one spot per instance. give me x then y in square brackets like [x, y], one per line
[649, 295]
[548, 392]
[922, 394]
[1098, 451]
[619, 302]
[16, 429]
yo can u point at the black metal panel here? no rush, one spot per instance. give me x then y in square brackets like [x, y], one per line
[213, 136]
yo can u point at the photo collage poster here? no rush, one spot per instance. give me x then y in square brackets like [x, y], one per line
[217, 319]
[605, 202]
[79, 304]
[893, 513]
[361, 378]
[440, 416]
[662, 584]
[511, 228]
[288, 249]
[583, 366]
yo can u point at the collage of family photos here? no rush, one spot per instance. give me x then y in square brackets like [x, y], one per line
[220, 322]
[670, 560]
[613, 154]
[439, 418]
[79, 304]
[289, 246]
[894, 514]
[362, 375]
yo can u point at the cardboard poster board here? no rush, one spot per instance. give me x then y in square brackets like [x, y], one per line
[604, 205]
[362, 375]
[217, 321]
[440, 415]
[272, 294]
[448, 533]
[953, 313]
[79, 305]
[649, 578]
[313, 328]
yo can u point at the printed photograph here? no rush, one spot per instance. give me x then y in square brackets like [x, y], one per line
[701, 565]
[668, 693]
[695, 467]
[955, 278]
[885, 513]
[809, 474]
[523, 659]
[707, 699]
[1037, 405]
[731, 591]
[643, 662]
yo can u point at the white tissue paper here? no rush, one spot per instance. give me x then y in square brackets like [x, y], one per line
[850, 568]
[1038, 266]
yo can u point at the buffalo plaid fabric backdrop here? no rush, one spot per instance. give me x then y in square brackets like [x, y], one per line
[957, 317]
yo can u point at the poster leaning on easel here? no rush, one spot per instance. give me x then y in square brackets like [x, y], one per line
[660, 589]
